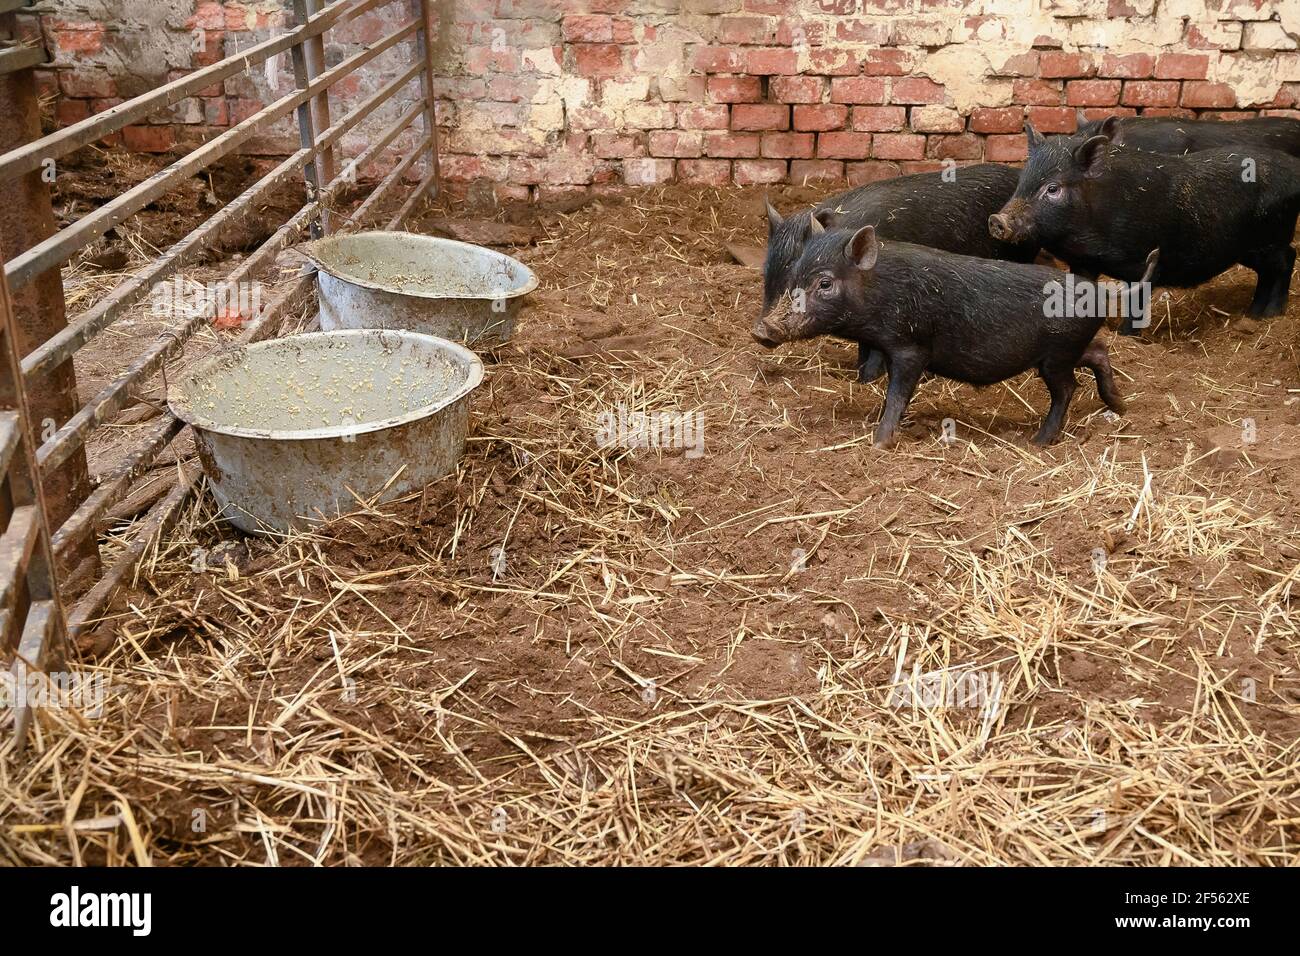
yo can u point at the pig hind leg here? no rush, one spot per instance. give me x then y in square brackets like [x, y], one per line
[1274, 267]
[1097, 358]
[871, 363]
[1061, 384]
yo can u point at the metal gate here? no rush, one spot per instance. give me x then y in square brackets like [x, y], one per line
[49, 510]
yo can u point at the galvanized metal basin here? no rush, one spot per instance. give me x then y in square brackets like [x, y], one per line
[399, 280]
[305, 428]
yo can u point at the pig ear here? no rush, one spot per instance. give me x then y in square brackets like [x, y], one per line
[773, 217]
[863, 248]
[1034, 138]
[815, 226]
[1091, 153]
[1110, 128]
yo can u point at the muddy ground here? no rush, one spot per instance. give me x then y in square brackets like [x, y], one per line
[569, 652]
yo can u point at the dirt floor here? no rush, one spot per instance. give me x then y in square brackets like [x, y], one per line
[791, 648]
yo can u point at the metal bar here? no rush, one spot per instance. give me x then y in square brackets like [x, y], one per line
[155, 524]
[85, 326]
[15, 58]
[38, 311]
[313, 64]
[33, 652]
[425, 55]
[64, 244]
[302, 75]
[116, 483]
[95, 128]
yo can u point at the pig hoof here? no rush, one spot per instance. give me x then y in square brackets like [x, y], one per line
[871, 368]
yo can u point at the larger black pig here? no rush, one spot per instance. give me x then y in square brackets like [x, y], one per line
[1102, 209]
[1162, 134]
[945, 210]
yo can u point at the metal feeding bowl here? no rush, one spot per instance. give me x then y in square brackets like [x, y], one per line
[399, 280]
[305, 428]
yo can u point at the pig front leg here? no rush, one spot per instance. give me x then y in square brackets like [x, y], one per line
[1061, 383]
[905, 368]
[871, 363]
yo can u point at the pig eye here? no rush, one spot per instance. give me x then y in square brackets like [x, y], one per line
[825, 284]
[1052, 190]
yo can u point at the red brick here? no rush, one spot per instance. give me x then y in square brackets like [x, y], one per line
[215, 111]
[936, 119]
[916, 89]
[898, 146]
[872, 171]
[964, 146]
[1198, 94]
[746, 30]
[771, 60]
[732, 145]
[710, 172]
[1150, 93]
[212, 51]
[1005, 119]
[1092, 92]
[879, 119]
[857, 89]
[717, 59]
[683, 89]
[1053, 119]
[761, 116]
[844, 145]
[78, 37]
[69, 111]
[833, 62]
[1096, 113]
[678, 145]
[751, 172]
[1038, 92]
[1182, 66]
[800, 32]
[598, 59]
[1006, 149]
[735, 89]
[87, 85]
[624, 30]
[1127, 66]
[647, 172]
[617, 145]
[820, 116]
[787, 145]
[1021, 64]
[149, 139]
[871, 32]
[804, 171]
[588, 29]
[797, 89]
[887, 63]
[704, 117]
[1054, 65]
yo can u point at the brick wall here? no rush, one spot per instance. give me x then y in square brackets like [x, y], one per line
[104, 52]
[548, 96]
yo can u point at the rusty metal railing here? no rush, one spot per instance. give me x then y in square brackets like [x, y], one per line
[316, 161]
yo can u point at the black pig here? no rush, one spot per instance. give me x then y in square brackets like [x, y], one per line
[1160, 134]
[973, 320]
[946, 212]
[1103, 208]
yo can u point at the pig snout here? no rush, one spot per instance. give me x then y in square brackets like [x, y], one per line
[999, 226]
[763, 335]
[1008, 225]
